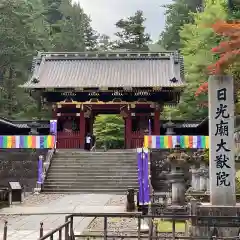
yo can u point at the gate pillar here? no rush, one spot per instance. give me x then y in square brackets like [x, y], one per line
[128, 130]
[157, 122]
[82, 128]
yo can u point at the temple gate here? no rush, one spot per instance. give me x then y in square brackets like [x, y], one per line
[79, 86]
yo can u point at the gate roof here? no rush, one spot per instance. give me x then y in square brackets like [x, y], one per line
[106, 70]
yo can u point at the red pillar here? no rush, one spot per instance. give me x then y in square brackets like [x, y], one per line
[82, 129]
[128, 130]
[157, 122]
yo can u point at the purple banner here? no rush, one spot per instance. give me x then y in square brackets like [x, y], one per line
[40, 170]
[53, 127]
[146, 186]
[140, 176]
[143, 176]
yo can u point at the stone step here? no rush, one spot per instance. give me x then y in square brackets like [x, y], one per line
[86, 175]
[98, 161]
[119, 191]
[91, 166]
[79, 171]
[66, 177]
[96, 178]
[94, 155]
[90, 169]
[88, 180]
[90, 185]
[89, 163]
[92, 173]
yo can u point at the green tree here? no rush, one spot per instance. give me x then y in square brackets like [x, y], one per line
[198, 38]
[109, 131]
[52, 10]
[177, 14]
[74, 30]
[22, 32]
[131, 34]
[104, 43]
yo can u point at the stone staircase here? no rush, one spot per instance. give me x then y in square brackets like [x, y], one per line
[88, 172]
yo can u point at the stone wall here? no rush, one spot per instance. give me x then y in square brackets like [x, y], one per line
[19, 165]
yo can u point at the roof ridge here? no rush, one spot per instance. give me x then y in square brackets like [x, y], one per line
[108, 54]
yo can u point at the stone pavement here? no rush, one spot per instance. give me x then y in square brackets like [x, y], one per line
[24, 221]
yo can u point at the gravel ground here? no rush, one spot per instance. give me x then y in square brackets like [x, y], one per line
[118, 200]
[36, 200]
[120, 226]
[114, 224]
[31, 201]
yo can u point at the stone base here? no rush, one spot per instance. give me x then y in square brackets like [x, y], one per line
[199, 195]
[176, 210]
[207, 223]
[36, 191]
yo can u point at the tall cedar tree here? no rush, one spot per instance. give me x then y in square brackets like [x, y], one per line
[177, 14]
[132, 34]
[22, 32]
[73, 32]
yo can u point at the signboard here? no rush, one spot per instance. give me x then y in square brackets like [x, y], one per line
[15, 185]
[221, 145]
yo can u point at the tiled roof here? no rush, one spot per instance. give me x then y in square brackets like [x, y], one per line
[24, 123]
[75, 70]
[182, 123]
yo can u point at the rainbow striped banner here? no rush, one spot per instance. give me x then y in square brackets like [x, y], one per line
[163, 142]
[35, 142]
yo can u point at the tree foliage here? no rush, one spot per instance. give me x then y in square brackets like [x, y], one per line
[228, 49]
[197, 39]
[131, 34]
[109, 131]
[29, 26]
[177, 14]
[228, 53]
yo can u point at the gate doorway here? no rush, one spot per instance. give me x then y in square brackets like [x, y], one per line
[109, 132]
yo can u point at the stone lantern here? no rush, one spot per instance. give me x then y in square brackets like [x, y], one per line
[170, 128]
[204, 171]
[178, 161]
[200, 174]
[34, 128]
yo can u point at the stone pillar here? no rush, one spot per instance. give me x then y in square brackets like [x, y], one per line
[82, 129]
[178, 192]
[222, 161]
[208, 180]
[195, 183]
[203, 177]
[157, 122]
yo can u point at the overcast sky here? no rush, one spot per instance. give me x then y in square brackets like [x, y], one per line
[105, 13]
